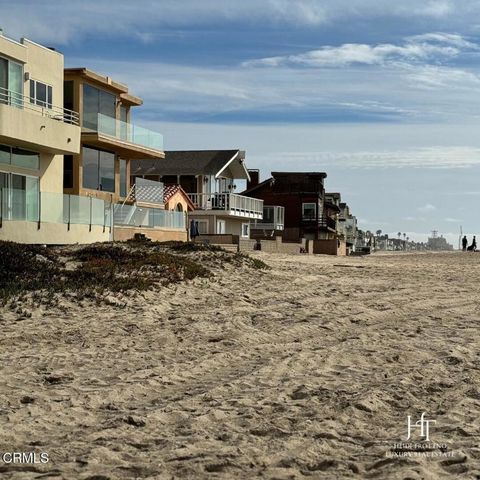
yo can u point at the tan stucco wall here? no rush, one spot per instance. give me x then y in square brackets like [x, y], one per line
[52, 233]
[14, 50]
[156, 234]
[30, 130]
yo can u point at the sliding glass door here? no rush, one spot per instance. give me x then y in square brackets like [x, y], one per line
[19, 197]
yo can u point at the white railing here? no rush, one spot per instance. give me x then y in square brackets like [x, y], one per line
[14, 99]
[233, 204]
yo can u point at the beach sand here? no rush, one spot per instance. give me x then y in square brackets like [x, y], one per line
[307, 370]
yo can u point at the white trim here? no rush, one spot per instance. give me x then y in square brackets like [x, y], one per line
[2, 35]
[23, 40]
[217, 175]
[308, 203]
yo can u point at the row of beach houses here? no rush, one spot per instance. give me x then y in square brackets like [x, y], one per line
[75, 169]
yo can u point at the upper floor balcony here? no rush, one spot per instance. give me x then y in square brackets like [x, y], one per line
[38, 126]
[227, 203]
[126, 139]
[322, 222]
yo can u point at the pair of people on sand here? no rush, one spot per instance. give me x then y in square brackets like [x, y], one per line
[472, 247]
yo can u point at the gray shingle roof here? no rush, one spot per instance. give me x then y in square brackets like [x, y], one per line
[184, 162]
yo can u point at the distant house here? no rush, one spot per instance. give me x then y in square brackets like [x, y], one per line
[209, 177]
[332, 209]
[348, 226]
[302, 195]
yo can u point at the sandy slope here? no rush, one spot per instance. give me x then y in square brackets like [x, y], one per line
[305, 371]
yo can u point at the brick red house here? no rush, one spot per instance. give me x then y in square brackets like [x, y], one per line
[302, 194]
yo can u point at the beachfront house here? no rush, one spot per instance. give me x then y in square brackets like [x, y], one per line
[307, 214]
[211, 179]
[302, 197]
[272, 223]
[348, 226]
[332, 210]
[36, 131]
[109, 143]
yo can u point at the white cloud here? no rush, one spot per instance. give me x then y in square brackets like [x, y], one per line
[419, 48]
[431, 157]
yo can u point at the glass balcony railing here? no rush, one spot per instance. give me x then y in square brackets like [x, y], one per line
[134, 216]
[126, 132]
[47, 207]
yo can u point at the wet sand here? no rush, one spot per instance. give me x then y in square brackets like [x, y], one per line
[308, 370]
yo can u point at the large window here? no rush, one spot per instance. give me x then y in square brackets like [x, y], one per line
[309, 211]
[19, 157]
[11, 82]
[98, 169]
[95, 102]
[41, 94]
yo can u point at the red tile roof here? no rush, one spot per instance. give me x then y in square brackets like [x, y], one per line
[170, 190]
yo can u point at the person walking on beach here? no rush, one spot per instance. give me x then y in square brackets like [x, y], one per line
[464, 243]
[473, 246]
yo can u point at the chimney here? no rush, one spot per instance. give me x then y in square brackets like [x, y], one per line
[254, 178]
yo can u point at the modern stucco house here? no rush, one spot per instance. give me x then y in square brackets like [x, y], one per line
[66, 142]
[110, 141]
[210, 179]
[36, 131]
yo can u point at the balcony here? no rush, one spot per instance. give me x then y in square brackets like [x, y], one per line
[39, 127]
[273, 219]
[228, 204]
[126, 139]
[324, 222]
[144, 217]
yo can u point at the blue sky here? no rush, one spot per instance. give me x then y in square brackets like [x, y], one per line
[381, 95]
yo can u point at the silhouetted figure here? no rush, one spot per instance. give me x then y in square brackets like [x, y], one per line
[464, 243]
[473, 246]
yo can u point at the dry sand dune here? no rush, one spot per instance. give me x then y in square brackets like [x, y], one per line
[308, 370]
